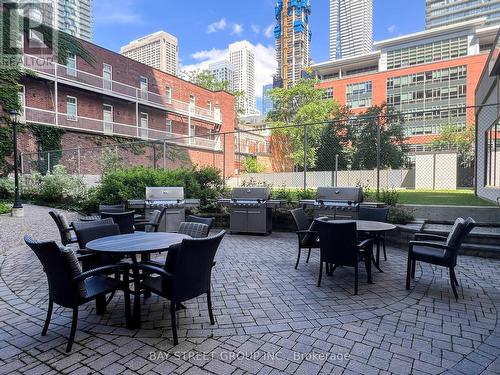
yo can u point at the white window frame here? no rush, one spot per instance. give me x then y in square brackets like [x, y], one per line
[71, 69]
[168, 94]
[209, 105]
[75, 116]
[104, 80]
[108, 130]
[143, 92]
[22, 99]
[169, 126]
[192, 102]
[143, 131]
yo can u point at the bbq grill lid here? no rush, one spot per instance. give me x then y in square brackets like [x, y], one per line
[250, 193]
[164, 193]
[353, 194]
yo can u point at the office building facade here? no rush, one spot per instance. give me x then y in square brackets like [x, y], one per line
[351, 28]
[242, 57]
[74, 17]
[293, 41]
[223, 71]
[159, 50]
[430, 76]
[446, 12]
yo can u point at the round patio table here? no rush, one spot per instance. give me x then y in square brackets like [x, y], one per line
[374, 228]
[133, 244]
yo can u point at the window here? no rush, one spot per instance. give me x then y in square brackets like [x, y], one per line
[71, 108]
[168, 94]
[493, 155]
[168, 126]
[144, 87]
[22, 100]
[107, 76]
[144, 125]
[209, 106]
[71, 65]
[107, 117]
[329, 93]
[359, 95]
[192, 100]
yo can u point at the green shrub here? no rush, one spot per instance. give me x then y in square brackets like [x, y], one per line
[400, 215]
[6, 188]
[388, 196]
[120, 185]
[5, 208]
[283, 193]
[56, 187]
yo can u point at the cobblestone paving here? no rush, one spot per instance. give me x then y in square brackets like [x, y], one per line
[270, 318]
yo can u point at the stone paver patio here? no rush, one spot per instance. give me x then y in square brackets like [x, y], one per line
[270, 318]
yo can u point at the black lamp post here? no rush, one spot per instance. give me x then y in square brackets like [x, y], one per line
[17, 209]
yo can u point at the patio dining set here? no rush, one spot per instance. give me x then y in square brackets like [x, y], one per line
[113, 254]
[112, 251]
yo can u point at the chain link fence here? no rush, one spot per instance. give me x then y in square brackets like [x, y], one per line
[380, 148]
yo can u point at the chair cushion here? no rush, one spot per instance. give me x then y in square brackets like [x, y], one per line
[430, 255]
[65, 225]
[75, 269]
[96, 285]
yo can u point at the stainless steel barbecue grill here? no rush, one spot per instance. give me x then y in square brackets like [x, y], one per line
[250, 210]
[336, 202]
[169, 198]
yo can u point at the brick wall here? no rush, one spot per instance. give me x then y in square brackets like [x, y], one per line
[40, 94]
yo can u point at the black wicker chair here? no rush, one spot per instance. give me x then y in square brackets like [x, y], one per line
[375, 214]
[194, 230]
[340, 247]
[70, 287]
[111, 208]
[439, 250]
[79, 225]
[65, 230]
[153, 223]
[188, 278]
[306, 233]
[89, 233]
[203, 220]
[125, 220]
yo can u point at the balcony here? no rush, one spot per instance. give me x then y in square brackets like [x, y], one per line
[74, 77]
[40, 116]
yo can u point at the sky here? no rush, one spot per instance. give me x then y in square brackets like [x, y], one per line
[205, 28]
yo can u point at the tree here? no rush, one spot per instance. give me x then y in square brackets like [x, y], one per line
[460, 138]
[363, 135]
[205, 79]
[251, 165]
[334, 141]
[302, 104]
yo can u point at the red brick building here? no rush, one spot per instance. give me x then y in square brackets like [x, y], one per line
[429, 75]
[119, 97]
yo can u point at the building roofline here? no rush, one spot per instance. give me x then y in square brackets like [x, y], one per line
[347, 60]
[466, 25]
[83, 41]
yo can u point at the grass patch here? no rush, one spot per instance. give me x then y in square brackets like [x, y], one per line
[442, 197]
